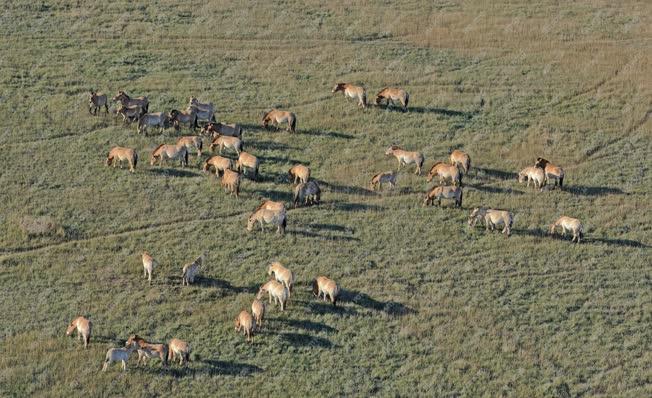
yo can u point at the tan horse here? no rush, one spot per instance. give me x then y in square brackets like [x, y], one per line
[274, 290]
[393, 94]
[351, 91]
[569, 224]
[446, 192]
[190, 271]
[189, 118]
[246, 162]
[179, 349]
[534, 174]
[171, 152]
[192, 141]
[231, 130]
[327, 287]
[148, 266]
[148, 350]
[377, 181]
[258, 311]
[445, 172]
[307, 194]
[277, 117]
[130, 113]
[127, 101]
[271, 205]
[96, 102]
[282, 274]
[551, 171]
[299, 173]
[406, 157]
[245, 323]
[231, 182]
[122, 154]
[219, 163]
[156, 119]
[83, 326]
[118, 355]
[492, 218]
[265, 216]
[223, 141]
[461, 159]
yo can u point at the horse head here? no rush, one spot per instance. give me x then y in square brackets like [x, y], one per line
[338, 87]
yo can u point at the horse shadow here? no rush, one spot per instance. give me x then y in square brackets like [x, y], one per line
[209, 367]
[348, 189]
[270, 146]
[440, 111]
[617, 242]
[392, 308]
[275, 195]
[310, 234]
[224, 285]
[273, 177]
[308, 326]
[333, 134]
[169, 172]
[277, 159]
[491, 189]
[346, 206]
[305, 340]
[497, 174]
[592, 191]
[247, 127]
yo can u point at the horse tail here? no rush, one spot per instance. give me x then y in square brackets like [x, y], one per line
[185, 157]
[461, 196]
[459, 178]
[135, 159]
[364, 97]
[293, 124]
[561, 180]
[407, 99]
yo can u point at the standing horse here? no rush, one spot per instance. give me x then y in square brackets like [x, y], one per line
[277, 117]
[377, 181]
[96, 102]
[130, 113]
[351, 91]
[172, 152]
[307, 193]
[232, 130]
[299, 173]
[276, 290]
[461, 159]
[160, 119]
[446, 192]
[534, 174]
[551, 171]
[223, 141]
[127, 101]
[327, 287]
[265, 216]
[393, 94]
[492, 218]
[83, 326]
[405, 157]
[247, 161]
[122, 154]
[189, 118]
[219, 163]
[231, 182]
[192, 141]
[569, 224]
[445, 171]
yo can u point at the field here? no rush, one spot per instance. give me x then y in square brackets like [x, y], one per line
[430, 306]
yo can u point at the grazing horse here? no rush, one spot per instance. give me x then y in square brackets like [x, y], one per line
[405, 157]
[277, 117]
[96, 101]
[130, 113]
[276, 290]
[271, 205]
[118, 355]
[83, 326]
[445, 172]
[351, 91]
[393, 94]
[219, 163]
[122, 154]
[377, 181]
[189, 118]
[223, 141]
[232, 130]
[127, 101]
[307, 193]
[171, 152]
[148, 350]
[281, 274]
[551, 171]
[461, 159]
[180, 349]
[190, 271]
[492, 218]
[534, 174]
[247, 161]
[245, 323]
[148, 266]
[440, 193]
[192, 141]
[231, 182]
[299, 173]
[160, 119]
[327, 287]
[569, 224]
[265, 216]
[258, 311]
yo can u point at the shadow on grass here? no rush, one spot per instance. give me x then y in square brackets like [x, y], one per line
[592, 191]
[209, 366]
[277, 159]
[348, 189]
[333, 134]
[438, 111]
[275, 195]
[224, 285]
[305, 340]
[617, 242]
[497, 174]
[306, 325]
[345, 206]
[364, 300]
[169, 172]
[249, 127]
[311, 234]
[490, 189]
[320, 307]
[277, 178]
[270, 146]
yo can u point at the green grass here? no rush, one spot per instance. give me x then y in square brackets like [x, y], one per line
[430, 307]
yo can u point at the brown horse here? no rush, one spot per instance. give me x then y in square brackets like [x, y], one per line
[188, 117]
[231, 130]
[277, 117]
[393, 94]
[299, 173]
[445, 172]
[352, 91]
[148, 350]
[231, 182]
[406, 157]
[96, 102]
[461, 159]
[172, 152]
[327, 287]
[192, 141]
[127, 101]
[130, 113]
[551, 171]
[122, 154]
[219, 163]
[83, 326]
[446, 192]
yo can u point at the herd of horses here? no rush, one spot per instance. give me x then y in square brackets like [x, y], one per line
[229, 137]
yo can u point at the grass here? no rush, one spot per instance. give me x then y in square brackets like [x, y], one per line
[430, 306]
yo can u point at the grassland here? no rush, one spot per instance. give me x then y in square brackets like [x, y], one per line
[430, 306]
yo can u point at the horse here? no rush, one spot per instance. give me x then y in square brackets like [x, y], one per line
[192, 141]
[219, 163]
[83, 326]
[569, 224]
[534, 174]
[204, 106]
[271, 205]
[282, 274]
[148, 350]
[247, 161]
[276, 290]
[189, 118]
[351, 91]
[405, 157]
[393, 94]
[258, 311]
[461, 159]
[160, 119]
[148, 266]
[190, 271]
[265, 216]
[327, 287]
[444, 172]
[96, 101]
[377, 181]
[232, 130]
[299, 173]
[231, 182]
[551, 171]
[277, 117]
[223, 141]
[492, 218]
[205, 115]
[127, 101]
[118, 355]
[181, 349]
[122, 154]
[246, 323]
[172, 152]
[130, 113]
[440, 193]
[307, 193]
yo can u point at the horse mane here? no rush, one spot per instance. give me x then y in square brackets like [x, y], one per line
[156, 149]
[382, 91]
